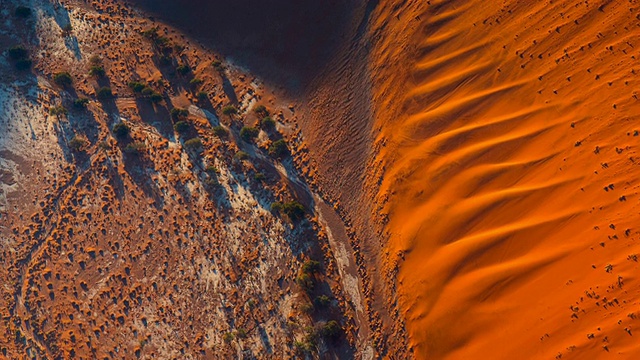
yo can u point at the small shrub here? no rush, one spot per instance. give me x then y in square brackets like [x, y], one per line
[241, 155]
[241, 333]
[267, 123]
[95, 60]
[305, 281]
[211, 169]
[155, 97]
[217, 65]
[63, 79]
[137, 86]
[121, 130]
[80, 103]
[220, 131]
[202, 95]
[278, 149]
[195, 82]
[229, 110]
[306, 307]
[97, 71]
[104, 93]
[179, 114]
[277, 207]
[331, 330]
[135, 148]
[259, 176]
[261, 110]
[228, 337]
[181, 127]
[58, 110]
[18, 52]
[193, 144]
[322, 301]
[23, 12]
[183, 69]
[77, 143]
[211, 182]
[311, 266]
[249, 133]
[294, 210]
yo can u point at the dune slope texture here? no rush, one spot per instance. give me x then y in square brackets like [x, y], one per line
[506, 158]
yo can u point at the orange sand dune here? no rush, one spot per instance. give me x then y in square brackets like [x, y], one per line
[497, 135]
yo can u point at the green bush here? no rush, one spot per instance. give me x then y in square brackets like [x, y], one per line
[193, 144]
[104, 93]
[211, 169]
[241, 155]
[23, 11]
[261, 110]
[202, 95]
[268, 123]
[305, 281]
[294, 210]
[229, 110]
[63, 79]
[183, 69]
[135, 148]
[179, 114]
[155, 97]
[220, 131]
[331, 330]
[217, 65]
[80, 103]
[58, 110]
[249, 133]
[97, 71]
[195, 82]
[77, 143]
[322, 301]
[121, 130]
[278, 149]
[137, 86]
[181, 127]
[311, 266]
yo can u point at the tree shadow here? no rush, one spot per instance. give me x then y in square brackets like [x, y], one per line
[156, 115]
[138, 166]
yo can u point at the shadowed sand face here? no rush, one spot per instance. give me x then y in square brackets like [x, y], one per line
[286, 42]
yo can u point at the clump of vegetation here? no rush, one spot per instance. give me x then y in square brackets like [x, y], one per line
[322, 301]
[217, 65]
[159, 42]
[183, 69]
[305, 281]
[63, 79]
[77, 143]
[22, 12]
[97, 71]
[293, 209]
[259, 177]
[58, 110]
[228, 337]
[104, 93]
[261, 110]
[311, 266]
[220, 131]
[249, 133]
[267, 123]
[330, 330]
[181, 127]
[202, 95]
[241, 155]
[20, 56]
[211, 169]
[137, 86]
[195, 82]
[194, 144]
[229, 110]
[211, 182]
[135, 148]
[121, 130]
[80, 103]
[279, 149]
[178, 114]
